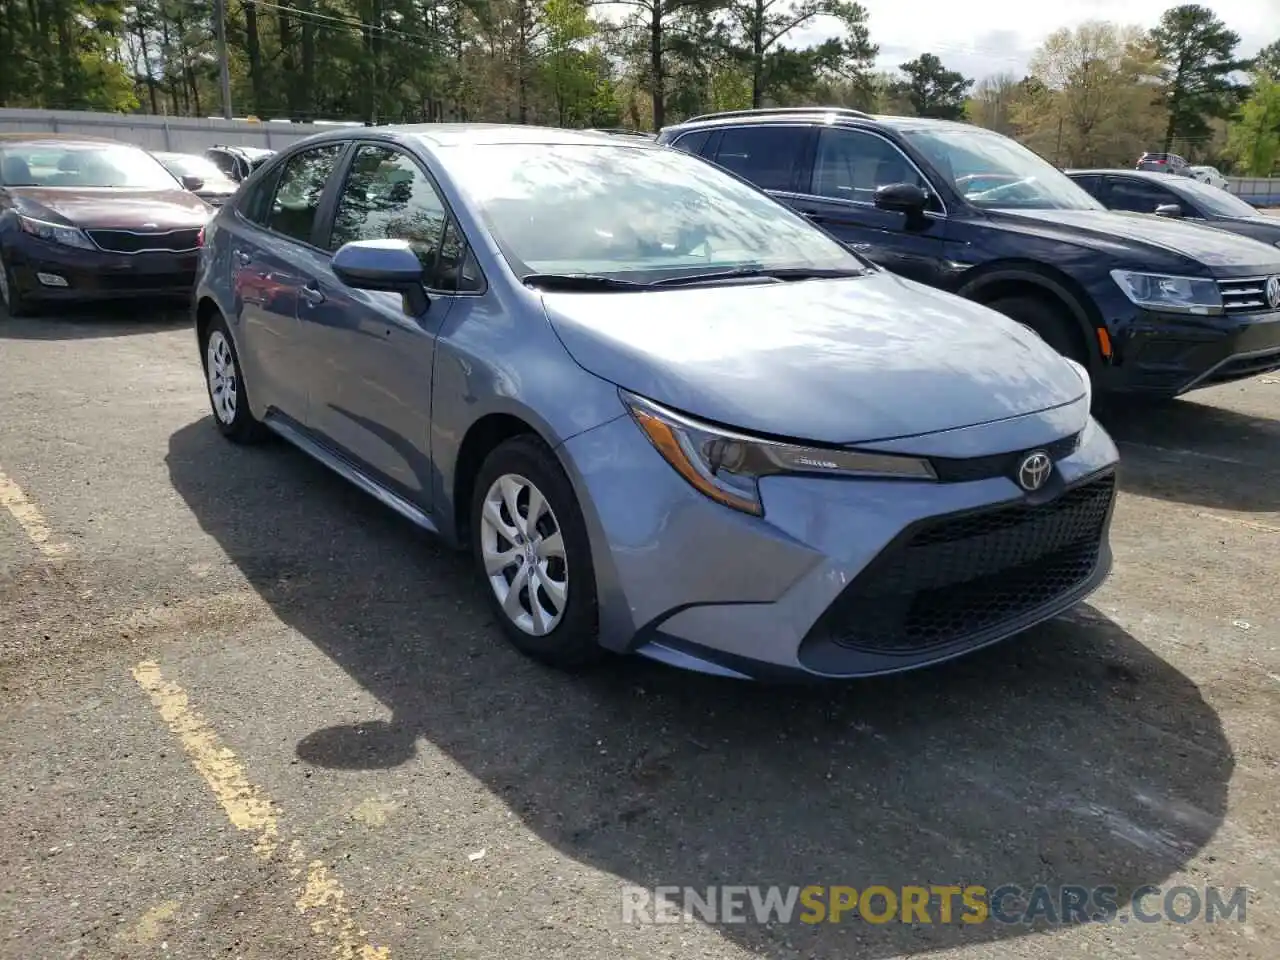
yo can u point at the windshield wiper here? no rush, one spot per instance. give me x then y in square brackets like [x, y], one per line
[772, 273]
[578, 281]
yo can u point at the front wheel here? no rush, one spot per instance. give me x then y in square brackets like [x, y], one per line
[228, 395]
[531, 547]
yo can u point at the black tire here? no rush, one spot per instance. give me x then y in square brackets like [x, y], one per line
[573, 642]
[13, 302]
[240, 426]
[1048, 320]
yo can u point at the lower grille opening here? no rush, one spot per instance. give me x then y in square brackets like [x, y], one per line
[955, 579]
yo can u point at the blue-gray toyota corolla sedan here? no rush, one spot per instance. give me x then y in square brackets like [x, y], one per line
[666, 414]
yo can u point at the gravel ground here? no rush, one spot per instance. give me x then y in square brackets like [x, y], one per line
[247, 713]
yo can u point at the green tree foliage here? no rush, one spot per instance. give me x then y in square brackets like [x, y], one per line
[1253, 141]
[1267, 62]
[1196, 52]
[933, 90]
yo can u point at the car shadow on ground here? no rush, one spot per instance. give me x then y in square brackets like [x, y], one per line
[98, 320]
[1191, 452]
[1071, 755]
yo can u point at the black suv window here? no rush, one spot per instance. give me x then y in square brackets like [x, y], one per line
[692, 142]
[388, 197]
[852, 165]
[301, 184]
[767, 156]
[1138, 196]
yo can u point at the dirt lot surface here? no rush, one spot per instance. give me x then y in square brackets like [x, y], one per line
[246, 712]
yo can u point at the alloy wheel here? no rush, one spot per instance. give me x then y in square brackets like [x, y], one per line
[220, 367]
[524, 556]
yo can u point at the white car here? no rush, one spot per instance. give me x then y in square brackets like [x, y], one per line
[1209, 175]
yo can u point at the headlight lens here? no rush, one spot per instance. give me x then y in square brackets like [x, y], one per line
[726, 466]
[1174, 294]
[55, 233]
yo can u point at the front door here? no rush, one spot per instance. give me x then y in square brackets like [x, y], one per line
[371, 394]
[849, 165]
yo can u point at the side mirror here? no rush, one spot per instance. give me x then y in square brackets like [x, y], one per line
[1169, 210]
[902, 197]
[383, 265]
[192, 183]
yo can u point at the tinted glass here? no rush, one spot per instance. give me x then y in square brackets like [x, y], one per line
[992, 171]
[1215, 200]
[52, 163]
[458, 268]
[851, 165]
[301, 184]
[767, 156]
[1137, 196]
[693, 142]
[1091, 184]
[634, 213]
[387, 197]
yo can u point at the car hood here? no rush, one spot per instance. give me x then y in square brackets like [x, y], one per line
[114, 208]
[1225, 254]
[829, 361]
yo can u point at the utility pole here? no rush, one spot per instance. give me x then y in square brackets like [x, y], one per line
[220, 22]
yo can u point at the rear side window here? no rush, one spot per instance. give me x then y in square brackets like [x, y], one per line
[767, 156]
[692, 142]
[299, 189]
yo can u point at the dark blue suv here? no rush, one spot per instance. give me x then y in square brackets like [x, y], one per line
[1149, 305]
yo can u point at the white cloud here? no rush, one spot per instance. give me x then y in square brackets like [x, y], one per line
[983, 37]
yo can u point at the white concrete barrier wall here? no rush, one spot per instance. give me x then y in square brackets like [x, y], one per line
[179, 134]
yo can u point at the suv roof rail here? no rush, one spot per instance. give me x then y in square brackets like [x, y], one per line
[781, 111]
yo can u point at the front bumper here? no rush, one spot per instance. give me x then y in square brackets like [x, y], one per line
[91, 275]
[841, 578]
[1167, 355]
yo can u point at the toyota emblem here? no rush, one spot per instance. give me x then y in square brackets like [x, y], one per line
[1273, 292]
[1034, 470]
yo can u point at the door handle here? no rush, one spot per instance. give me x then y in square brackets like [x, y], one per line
[311, 295]
[243, 258]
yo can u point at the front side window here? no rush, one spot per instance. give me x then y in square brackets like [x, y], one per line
[387, 197]
[767, 156]
[1138, 196]
[631, 213]
[692, 142]
[299, 189]
[852, 165]
[55, 163]
[992, 171]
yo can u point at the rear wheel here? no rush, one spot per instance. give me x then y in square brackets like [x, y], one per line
[531, 547]
[11, 298]
[1049, 321]
[228, 395]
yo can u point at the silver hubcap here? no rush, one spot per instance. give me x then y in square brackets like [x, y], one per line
[221, 369]
[524, 558]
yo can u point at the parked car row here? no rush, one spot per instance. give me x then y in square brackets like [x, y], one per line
[85, 219]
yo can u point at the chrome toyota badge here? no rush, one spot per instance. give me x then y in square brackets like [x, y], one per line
[1034, 470]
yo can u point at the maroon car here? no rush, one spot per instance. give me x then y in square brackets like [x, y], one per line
[86, 219]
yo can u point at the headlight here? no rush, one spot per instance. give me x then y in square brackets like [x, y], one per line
[1174, 294]
[726, 466]
[55, 233]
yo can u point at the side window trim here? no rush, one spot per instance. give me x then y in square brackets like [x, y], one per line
[862, 204]
[348, 160]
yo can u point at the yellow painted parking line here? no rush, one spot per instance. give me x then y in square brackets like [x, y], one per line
[29, 517]
[320, 896]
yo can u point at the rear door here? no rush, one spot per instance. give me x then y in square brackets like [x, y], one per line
[269, 264]
[848, 167]
[371, 399]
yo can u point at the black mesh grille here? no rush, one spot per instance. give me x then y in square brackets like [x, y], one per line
[998, 465]
[951, 579]
[125, 241]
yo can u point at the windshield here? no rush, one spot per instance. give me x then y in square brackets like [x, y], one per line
[632, 213]
[53, 164]
[1215, 200]
[186, 165]
[991, 171]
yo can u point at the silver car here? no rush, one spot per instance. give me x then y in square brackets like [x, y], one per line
[665, 414]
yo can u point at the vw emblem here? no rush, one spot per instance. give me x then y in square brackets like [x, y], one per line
[1034, 470]
[1273, 292]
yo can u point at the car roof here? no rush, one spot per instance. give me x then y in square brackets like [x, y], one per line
[1152, 175]
[466, 134]
[817, 115]
[62, 139]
